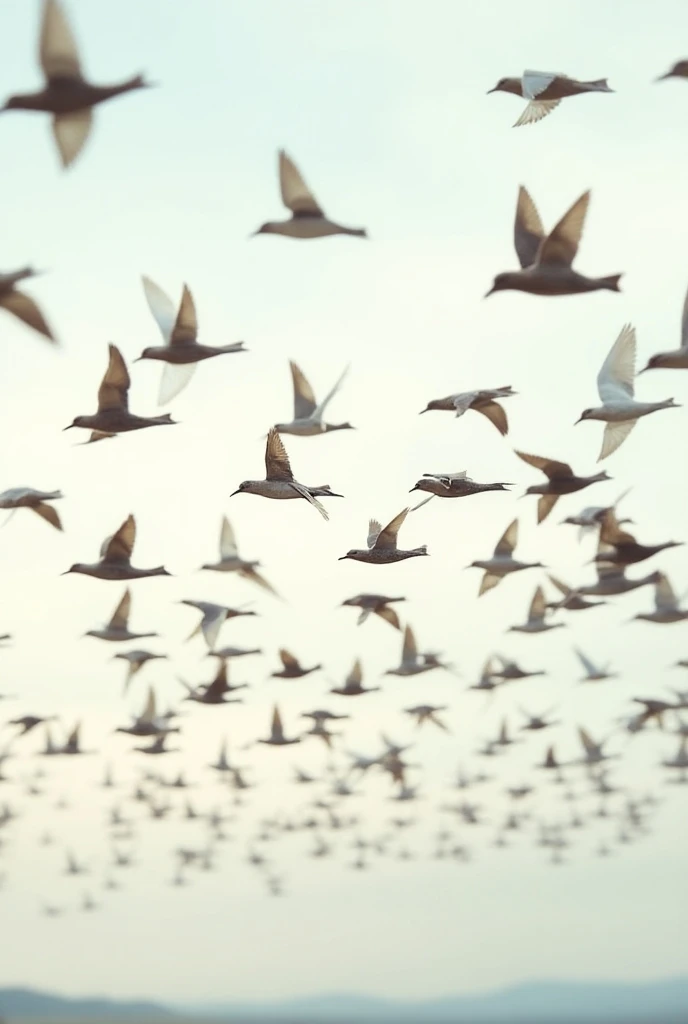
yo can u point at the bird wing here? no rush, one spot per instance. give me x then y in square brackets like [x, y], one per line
[219, 684]
[296, 194]
[495, 415]
[586, 663]
[185, 328]
[119, 546]
[665, 598]
[611, 533]
[276, 728]
[489, 581]
[318, 413]
[586, 739]
[389, 615]
[211, 623]
[535, 111]
[528, 230]
[550, 467]
[535, 82]
[409, 651]
[249, 573]
[617, 374]
[374, 530]
[175, 377]
[48, 513]
[57, 51]
[25, 309]
[537, 606]
[288, 659]
[147, 716]
[614, 436]
[120, 616]
[561, 245]
[355, 676]
[508, 541]
[561, 587]
[546, 503]
[387, 537]
[446, 478]
[276, 459]
[463, 401]
[304, 399]
[161, 306]
[112, 393]
[228, 544]
[71, 132]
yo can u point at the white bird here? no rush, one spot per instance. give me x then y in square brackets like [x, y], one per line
[615, 385]
[666, 604]
[308, 415]
[593, 673]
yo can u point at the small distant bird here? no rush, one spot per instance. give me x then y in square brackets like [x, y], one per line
[502, 562]
[292, 667]
[412, 662]
[353, 684]
[212, 618]
[536, 617]
[561, 480]
[157, 746]
[149, 722]
[307, 217]
[619, 410]
[572, 600]
[67, 95]
[590, 518]
[612, 579]
[619, 547]
[279, 480]
[484, 401]
[678, 70]
[376, 604]
[135, 662]
[308, 415]
[594, 752]
[545, 90]
[181, 351]
[546, 260]
[678, 358]
[234, 652]
[115, 558]
[593, 673]
[453, 485]
[427, 713]
[217, 691]
[536, 722]
[277, 737]
[117, 628]
[550, 762]
[29, 722]
[511, 670]
[231, 562]
[37, 501]
[666, 604]
[382, 544]
[113, 416]
[19, 304]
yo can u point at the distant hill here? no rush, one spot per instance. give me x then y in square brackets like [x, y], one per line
[661, 1002]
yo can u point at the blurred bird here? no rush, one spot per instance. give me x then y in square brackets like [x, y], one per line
[678, 358]
[117, 628]
[230, 561]
[115, 558]
[376, 604]
[502, 562]
[308, 415]
[382, 544]
[561, 480]
[484, 401]
[545, 91]
[37, 501]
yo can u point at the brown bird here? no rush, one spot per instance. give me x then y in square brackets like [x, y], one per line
[67, 95]
[619, 547]
[353, 684]
[292, 667]
[377, 604]
[546, 260]
[561, 480]
[277, 737]
[484, 401]
[115, 558]
[21, 305]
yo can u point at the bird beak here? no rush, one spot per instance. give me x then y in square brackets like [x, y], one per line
[422, 411]
[491, 90]
[487, 294]
[234, 492]
[67, 428]
[66, 572]
[342, 557]
[660, 78]
[579, 420]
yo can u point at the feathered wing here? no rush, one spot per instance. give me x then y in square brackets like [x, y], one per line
[528, 230]
[71, 132]
[535, 111]
[614, 436]
[57, 52]
[561, 245]
[304, 397]
[615, 381]
[296, 194]
[174, 378]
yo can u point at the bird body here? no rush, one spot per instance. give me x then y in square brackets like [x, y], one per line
[382, 544]
[483, 401]
[230, 561]
[454, 485]
[292, 667]
[545, 90]
[115, 558]
[117, 629]
[535, 622]
[560, 480]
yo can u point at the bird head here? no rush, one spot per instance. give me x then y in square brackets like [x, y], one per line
[587, 414]
[78, 421]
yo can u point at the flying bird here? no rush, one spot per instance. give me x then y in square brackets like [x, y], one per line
[545, 90]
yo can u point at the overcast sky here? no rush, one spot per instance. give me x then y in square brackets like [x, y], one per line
[383, 106]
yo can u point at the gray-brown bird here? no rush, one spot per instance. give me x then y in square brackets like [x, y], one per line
[483, 401]
[619, 547]
[37, 501]
[115, 558]
[382, 544]
[545, 91]
[560, 480]
[277, 737]
[20, 305]
[377, 604]
[292, 667]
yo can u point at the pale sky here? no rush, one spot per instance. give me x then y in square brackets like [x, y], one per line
[383, 106]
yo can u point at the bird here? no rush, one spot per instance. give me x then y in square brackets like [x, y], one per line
[572, 601]
[590, 518]
[215, 692]
[677, 70]
[292, 667]
[37, 501]
[277, 737]
[484, 401]
[353, 684]
[546, 260]
[382, 544]
[502, 561]
[594, 753]
[536, 617]
[149, 722]
[308, 219]
[545, 90]
[21, 305]
[510, 670]
[534, 723]
[377, 604]
[593, 673]
[619, 410]
[612, 579]
[117, 628]
[453, 485]
[157, 746]
[181, 351]
[619, 547]
[67, 94]
[279, 480]
[666, 604]
[412, 663]
[29, 722]
[561, 480]
[427, 713]
[135, 661]
[115, 558]
[308, 415]
[212, 618]
[678, 358]
[113, 416]
[230, 560]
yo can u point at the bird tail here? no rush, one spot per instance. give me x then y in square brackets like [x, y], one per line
[599, 85]
[422, 550]
[611, 282]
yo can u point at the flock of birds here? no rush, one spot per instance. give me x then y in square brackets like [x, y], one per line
[546, 269]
